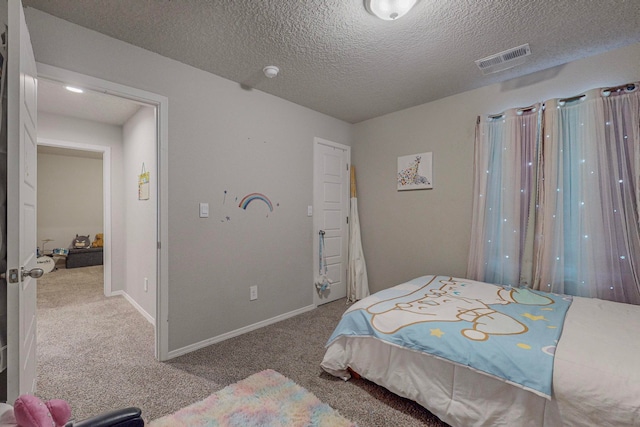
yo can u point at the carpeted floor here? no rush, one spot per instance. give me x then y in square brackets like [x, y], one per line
[98, 354]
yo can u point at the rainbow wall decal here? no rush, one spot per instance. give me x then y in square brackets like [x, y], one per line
[255, 196]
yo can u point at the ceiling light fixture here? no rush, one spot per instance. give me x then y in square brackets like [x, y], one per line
[74, 89]
[389, 10]
[271, 71]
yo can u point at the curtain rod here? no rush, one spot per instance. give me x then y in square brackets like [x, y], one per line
[628, 87]
[526, 109]
[519, 111]
[573, 98]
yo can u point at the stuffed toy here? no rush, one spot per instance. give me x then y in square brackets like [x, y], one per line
[98, 242]
[81, 242]
[30, 411]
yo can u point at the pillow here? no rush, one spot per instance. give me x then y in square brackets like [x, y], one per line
[81, 242]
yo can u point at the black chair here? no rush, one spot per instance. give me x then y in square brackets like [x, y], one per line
[125, 417]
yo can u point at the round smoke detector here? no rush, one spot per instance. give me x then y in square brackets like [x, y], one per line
[271, 71]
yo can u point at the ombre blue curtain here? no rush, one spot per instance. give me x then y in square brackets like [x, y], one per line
[506, 158]
[588, 235]
[583, 198]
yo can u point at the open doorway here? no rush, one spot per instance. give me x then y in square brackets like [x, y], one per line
[79, 134]
[138, 262]
[118, 136]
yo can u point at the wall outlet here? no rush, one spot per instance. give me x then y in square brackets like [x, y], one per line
[146, 284]
[253, 293]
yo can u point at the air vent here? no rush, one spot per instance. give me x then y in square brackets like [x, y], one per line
[504, 60]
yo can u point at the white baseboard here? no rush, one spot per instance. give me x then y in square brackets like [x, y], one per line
[136, 306]
[231, 334]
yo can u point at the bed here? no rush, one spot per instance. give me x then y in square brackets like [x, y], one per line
[552, 360]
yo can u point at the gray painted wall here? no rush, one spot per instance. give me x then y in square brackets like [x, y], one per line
[139, 136]
[69, 199]
[221, 138]
[407, 234]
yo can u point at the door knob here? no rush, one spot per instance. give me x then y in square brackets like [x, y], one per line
[34, 273]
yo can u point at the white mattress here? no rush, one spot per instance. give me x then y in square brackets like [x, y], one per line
[596, 380]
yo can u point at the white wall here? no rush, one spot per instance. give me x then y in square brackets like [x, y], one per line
[61, 128]
[221, 138]
[69, 199]
[411, 233]
[139, 136]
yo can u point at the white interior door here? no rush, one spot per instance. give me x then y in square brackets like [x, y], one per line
[21, 206]
[331, 205]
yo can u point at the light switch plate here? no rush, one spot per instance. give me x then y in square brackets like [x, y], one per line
[309, 210]
[204, 210]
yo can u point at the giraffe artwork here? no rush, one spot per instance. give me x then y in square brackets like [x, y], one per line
[415, 172]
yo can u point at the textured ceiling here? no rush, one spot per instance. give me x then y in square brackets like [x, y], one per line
[337, 59]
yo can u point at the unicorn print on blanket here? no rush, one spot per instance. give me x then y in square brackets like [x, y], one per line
[456, 301]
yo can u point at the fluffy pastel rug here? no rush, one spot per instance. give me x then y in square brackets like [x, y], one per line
[265, 399]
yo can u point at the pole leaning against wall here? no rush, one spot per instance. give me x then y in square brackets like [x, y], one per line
[357, 280]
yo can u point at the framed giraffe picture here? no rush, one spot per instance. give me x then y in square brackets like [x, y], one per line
[415, 172]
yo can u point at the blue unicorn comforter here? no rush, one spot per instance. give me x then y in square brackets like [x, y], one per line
[508, 333]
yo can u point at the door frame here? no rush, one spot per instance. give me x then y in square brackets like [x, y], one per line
[316, 224]
[161, 103]
[106, 196]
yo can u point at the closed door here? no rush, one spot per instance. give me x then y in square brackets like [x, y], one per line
[21, 207]
[331, 210]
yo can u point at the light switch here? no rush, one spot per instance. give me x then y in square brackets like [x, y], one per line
[309, 210]
[204, 210]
